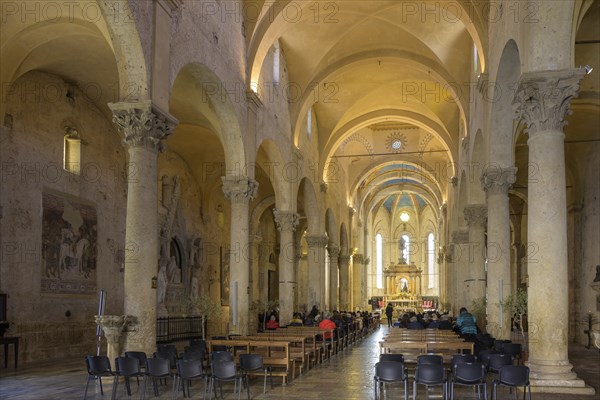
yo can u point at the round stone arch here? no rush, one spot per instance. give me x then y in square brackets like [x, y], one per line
[331, 227]
[475, 168]
[463, 198]
[131, 64]
[198, 98]
[502, 124]
[306, 192]
[281, 173]
[344, 250]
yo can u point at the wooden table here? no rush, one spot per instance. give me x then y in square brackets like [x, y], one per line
[6, 341]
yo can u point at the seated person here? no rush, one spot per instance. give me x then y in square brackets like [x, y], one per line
[434, 323]
[445, 323]
[466, 323]
[415, 324]
[272, 323]
[296, 320]
[327, 323]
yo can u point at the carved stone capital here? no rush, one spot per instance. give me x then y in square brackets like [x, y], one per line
[333, 250]
[498, 179]
[460, 236]
[142, 124]
[344, 259]
[475, 215]
[543, 98]
[239, 190]
[358, 258]
[285, 220]
[317, 240]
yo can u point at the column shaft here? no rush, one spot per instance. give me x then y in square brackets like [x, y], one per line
[239, 190]
[316, 263]
[344, 264]
[475, 215]
[496, 182]
[286, 223]
[334, 252]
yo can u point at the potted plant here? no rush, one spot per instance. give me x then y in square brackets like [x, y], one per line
[478, 309]
[516, 305]
[205, 307]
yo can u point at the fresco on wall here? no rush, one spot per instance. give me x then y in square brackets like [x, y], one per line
[225, 277]
[69, 250]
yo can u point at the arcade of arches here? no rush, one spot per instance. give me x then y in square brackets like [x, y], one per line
[187, 156]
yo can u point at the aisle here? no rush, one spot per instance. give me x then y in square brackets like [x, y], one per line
[347, 375]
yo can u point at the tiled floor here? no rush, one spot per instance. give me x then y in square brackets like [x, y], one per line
[349, 375]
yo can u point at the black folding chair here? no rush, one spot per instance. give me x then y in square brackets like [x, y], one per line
[97, 367]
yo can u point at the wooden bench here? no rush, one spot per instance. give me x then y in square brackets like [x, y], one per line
[327, 346]
[300, 348]
[276, 354]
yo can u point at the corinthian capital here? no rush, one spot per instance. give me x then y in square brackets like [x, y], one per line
[285, 220]
[317, 240]
[239, 189]
[544, 97]
[475, 215]
[142, 124]
[498, 179]
[333, 250]
[358, 258]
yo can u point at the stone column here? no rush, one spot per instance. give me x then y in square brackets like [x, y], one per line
[576, 274]
[497, 181]
[334, 252]
[286, 224]
[143, 127]
[316, 263]
[475, 216]
[542, 101]
[254, 280]
[458, 257]
[240, 191]
[358, 264]
[344, 264]
[368, 273]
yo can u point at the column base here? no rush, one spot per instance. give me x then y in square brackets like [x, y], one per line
[556, 377]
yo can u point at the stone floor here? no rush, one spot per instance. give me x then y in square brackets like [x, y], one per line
[349, 375]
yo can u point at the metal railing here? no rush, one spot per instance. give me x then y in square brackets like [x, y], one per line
[173, 329]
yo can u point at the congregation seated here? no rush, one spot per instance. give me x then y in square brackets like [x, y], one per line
[415, 324]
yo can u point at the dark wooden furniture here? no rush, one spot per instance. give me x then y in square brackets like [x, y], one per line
[6, 341]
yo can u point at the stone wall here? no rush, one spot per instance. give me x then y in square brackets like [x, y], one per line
[40, 106]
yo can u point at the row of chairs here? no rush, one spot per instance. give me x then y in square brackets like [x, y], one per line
[465, 371]
[223, 369]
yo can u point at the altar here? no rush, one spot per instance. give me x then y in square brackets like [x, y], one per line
[402, 286]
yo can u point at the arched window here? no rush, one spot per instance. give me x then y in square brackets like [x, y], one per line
[431, 260]
[406, 249]
[276, 62]
[72, 151]
[379, 260]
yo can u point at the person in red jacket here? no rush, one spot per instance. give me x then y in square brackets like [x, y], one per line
[272, 323]
[327, 323]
